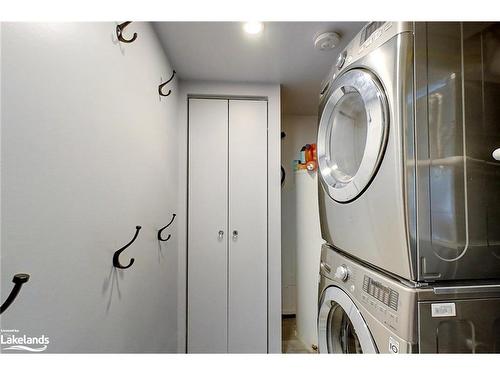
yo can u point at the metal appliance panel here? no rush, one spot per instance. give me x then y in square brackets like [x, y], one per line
[455, 326]
[457, 129]
[452, 317]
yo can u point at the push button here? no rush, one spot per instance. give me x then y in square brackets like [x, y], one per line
[393, 318]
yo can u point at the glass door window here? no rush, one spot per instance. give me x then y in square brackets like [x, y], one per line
[352, 134]
[341, 328]
[341, 335]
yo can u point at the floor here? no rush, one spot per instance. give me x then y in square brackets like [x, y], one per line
[291, 343]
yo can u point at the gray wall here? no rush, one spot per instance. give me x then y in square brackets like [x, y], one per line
[88, 152]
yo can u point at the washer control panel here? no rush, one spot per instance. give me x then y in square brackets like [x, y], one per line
[381, 301]
[375, 294]
[382, 293]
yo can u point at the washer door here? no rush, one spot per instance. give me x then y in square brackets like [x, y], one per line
[352, 134]
[341, 328]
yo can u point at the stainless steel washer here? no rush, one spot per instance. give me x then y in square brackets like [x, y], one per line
[351, 320]
[363, 310]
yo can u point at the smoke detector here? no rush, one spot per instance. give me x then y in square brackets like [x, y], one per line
[327, 41]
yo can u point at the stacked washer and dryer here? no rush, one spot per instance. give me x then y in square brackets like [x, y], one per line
[409, 192]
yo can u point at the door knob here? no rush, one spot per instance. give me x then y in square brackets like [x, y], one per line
[235, 235]
[221, 235]
[496, 154]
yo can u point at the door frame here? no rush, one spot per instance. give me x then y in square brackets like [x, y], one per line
[230, 91]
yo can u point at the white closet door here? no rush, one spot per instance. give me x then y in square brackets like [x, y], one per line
[247, 324]
[207, 217]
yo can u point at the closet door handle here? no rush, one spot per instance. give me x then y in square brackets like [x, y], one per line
[496, 154]
[235, 235]
[221, 235]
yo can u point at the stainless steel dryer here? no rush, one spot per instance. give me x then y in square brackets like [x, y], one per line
[408, 149]
[362, 310]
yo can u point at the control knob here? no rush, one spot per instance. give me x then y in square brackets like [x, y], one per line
[342, 273]
[340, 60]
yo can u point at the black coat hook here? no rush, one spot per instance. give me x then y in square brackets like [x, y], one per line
[18, 280]
[165, 227]
[163, 85]
[119, 32]
[116, 261]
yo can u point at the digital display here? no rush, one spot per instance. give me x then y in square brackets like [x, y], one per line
[369, 30]
[382, 293]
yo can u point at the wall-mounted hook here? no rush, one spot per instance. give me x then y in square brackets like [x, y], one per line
[283, 173]
[18, 280]
[164, 84]
[165, 227]
[116, 261]
[119, 32]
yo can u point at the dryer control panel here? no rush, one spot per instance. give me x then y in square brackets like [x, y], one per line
[369, 29]
[373, 35]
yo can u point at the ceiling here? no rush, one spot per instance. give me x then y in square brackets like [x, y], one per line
[283, 54]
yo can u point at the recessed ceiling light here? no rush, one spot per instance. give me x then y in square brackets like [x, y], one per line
[253, 27]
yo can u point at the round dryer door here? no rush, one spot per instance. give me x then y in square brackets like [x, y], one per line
[352, 134]
[341, 328]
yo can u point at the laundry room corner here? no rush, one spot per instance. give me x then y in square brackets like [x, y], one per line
[222, 183]
[301, 237]
[298, 130]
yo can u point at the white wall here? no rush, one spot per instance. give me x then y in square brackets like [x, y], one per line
[308, 242]
[299, 131]
[89, 151]
[272, 92]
